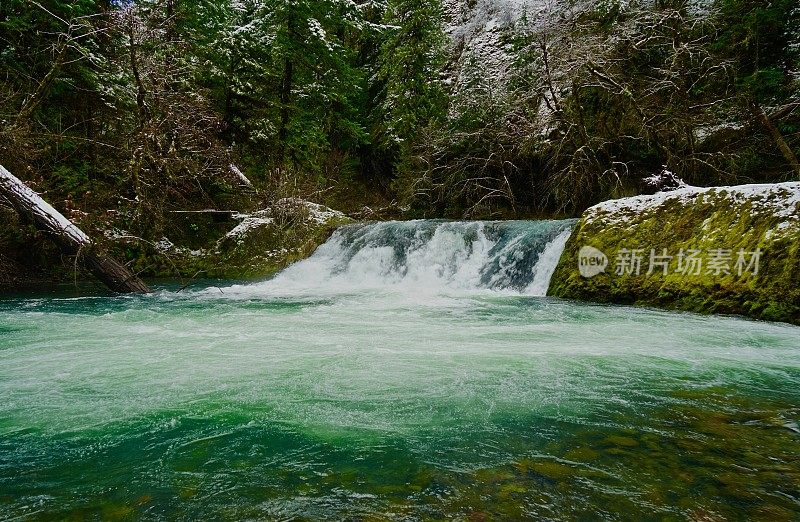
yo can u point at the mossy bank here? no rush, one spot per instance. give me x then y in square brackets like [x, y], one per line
[725, 250]
[240, 246]
[201, 245]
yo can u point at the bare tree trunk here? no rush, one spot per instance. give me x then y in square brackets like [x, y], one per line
[34, 100]
[141, 91]
[776, 135]
[286, 92]
[69, 237]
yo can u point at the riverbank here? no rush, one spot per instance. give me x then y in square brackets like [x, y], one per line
[204, 244]
[718, 250]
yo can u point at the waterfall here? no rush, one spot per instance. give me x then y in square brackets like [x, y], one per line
[425, 256]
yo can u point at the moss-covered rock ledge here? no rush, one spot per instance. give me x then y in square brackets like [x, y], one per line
[726, 250]
[242, 246]
[191, 245]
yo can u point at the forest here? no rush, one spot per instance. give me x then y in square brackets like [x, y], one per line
[121, 113]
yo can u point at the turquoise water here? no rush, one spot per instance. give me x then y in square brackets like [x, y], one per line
[322, 394]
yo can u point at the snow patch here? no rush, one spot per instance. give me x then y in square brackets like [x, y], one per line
[249, 223]
[783, 229]
[306, 211]
[704, 132]
[780, 199]
[115, 234]
[165, 246]
[666, 181]
[319, 214]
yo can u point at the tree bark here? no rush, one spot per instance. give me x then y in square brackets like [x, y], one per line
[286, 93]
[286, 90]
[776, 135]
[68, 237]
[35, 99]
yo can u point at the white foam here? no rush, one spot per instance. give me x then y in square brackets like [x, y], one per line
[424, 258]
[546, 267]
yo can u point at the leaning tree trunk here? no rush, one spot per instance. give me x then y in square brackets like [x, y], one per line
[69, 237]
[775, 133]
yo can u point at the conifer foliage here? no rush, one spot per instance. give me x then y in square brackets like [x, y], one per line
[159, 105]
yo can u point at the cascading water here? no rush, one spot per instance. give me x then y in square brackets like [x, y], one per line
[513, 256]
[402, 372]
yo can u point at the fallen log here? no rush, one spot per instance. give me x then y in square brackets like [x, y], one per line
[71, 239]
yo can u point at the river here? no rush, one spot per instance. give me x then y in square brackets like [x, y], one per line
[405, 371]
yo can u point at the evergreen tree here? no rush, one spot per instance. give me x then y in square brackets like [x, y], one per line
[53, 104]
[760, 40]
[410, 67]
[289, 73]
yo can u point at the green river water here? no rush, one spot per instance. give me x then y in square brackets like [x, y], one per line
[385, 382]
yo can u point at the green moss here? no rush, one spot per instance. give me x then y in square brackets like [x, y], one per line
[203, 251]
[712, 221]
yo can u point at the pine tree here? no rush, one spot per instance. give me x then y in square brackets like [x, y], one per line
[289, 73]
[410, 68]
[52, 103]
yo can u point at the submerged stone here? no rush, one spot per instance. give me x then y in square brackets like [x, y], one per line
[548, 469]
[619, 440]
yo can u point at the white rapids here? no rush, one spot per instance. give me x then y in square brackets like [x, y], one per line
[430, 257]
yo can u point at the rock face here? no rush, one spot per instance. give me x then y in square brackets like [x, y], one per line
[268, 241]
[727, 250]
[220, 245]
[478, 29]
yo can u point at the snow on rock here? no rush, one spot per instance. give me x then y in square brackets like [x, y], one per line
[249, 222]
[319, 214]
[782, 200]
[296, 209]
[743, 240]
[165, 246]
